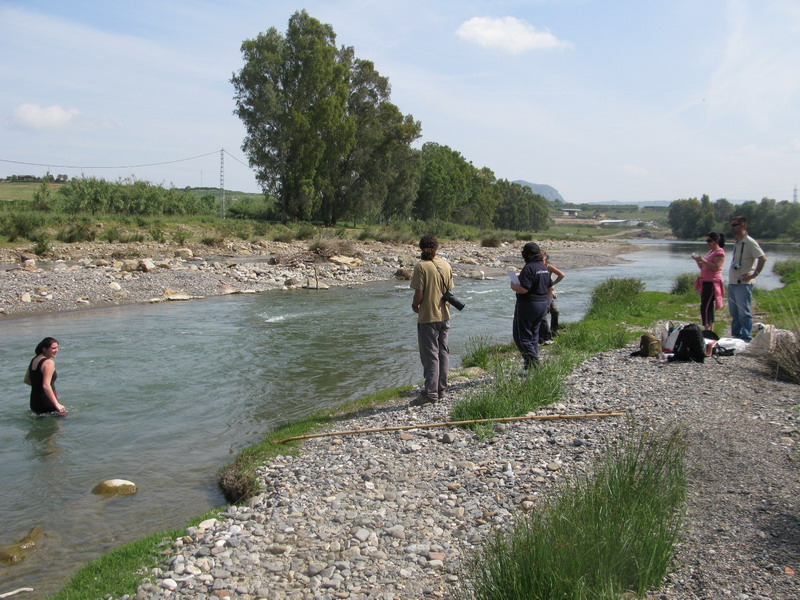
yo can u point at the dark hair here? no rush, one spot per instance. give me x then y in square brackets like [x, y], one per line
[717, 237]
[428, 244]
[45, 343]
[740, 219]
[531, 252]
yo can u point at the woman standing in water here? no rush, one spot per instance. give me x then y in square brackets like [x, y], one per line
[42, 376]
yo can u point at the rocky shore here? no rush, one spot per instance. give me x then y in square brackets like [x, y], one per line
[395, 515]
[88, 275]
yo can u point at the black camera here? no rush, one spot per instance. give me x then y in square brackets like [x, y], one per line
[454, 302]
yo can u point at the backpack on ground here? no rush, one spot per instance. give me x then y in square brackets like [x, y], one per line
[649, 346]
[690, 345]
[672, 338]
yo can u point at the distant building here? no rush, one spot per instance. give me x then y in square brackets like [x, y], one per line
[620, 223]
[570, 212]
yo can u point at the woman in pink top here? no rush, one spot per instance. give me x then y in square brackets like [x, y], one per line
[710, 283]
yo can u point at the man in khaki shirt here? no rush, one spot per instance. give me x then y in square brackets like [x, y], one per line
[432, 277]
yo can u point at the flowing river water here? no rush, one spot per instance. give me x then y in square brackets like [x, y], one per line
[165, 395]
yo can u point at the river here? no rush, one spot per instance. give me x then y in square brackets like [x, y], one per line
[164, 395]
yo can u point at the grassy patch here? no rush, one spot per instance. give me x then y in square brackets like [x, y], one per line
[603, 535]
[120, 571]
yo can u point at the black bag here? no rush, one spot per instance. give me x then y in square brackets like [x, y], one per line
[690, 346]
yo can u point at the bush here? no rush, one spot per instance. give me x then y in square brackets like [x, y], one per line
[306, 231]
[683, 284]
[491, 241]
[181, 236]
[283, 234]
[616, 297]
[42, 245]
[77, 232]
[788, 270]
[21, 225]
[213, 241]
[157, 234]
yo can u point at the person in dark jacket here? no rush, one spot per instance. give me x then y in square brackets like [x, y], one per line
[534, 290]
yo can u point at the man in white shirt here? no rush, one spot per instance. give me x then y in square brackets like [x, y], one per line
[746, 264]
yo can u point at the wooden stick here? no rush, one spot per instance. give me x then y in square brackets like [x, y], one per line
[15, 592]
[450, 424]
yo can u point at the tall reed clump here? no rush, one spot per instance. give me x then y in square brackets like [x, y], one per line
[616, 297]
[602, 536]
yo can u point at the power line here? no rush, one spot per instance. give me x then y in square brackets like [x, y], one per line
[234, 158]
[166, 162]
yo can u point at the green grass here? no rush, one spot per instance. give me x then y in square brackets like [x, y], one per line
[120, 571]
[603, 535]
[23, 190]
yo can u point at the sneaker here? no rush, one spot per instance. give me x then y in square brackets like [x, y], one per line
[422, 400]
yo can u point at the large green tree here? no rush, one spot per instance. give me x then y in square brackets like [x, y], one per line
[362, 177]
[686, 219]
[444, 182]
[321, 132]
[520, 209]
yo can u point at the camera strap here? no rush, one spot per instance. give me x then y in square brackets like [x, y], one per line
[444, 283]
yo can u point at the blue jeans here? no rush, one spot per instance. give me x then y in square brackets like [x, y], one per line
[740, 296]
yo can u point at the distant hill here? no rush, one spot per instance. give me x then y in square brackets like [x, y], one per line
[547, 191]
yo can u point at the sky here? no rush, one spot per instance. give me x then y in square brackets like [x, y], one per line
[605, 100]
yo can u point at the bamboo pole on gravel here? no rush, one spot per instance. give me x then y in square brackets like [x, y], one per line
[450, 424]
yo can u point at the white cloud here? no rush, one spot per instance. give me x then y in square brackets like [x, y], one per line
[33, 116]
[508, 34]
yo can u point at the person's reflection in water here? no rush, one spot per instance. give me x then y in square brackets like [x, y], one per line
[42, 436]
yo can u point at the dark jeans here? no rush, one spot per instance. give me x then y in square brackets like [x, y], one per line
[528, 315]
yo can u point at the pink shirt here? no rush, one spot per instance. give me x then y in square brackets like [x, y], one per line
[706, 272]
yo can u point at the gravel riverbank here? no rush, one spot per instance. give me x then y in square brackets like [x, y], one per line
[91, 275]
[394, 515]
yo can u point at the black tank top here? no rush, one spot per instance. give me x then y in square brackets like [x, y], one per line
[40, 403]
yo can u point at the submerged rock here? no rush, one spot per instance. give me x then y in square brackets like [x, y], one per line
[14, 553]
[115, 487]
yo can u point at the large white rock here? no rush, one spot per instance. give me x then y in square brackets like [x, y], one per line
[349, 261]
[115, 487]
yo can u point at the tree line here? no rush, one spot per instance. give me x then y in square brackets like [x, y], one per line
[328, 144]
[692, 218]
